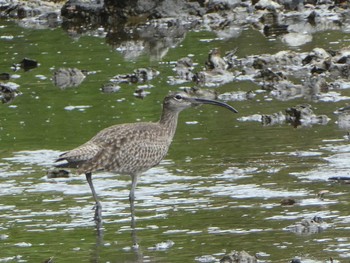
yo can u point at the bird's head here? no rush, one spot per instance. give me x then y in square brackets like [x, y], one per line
[178, 101]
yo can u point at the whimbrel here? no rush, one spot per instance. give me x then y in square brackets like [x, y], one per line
[131, 148]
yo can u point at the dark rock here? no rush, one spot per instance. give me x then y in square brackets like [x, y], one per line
[340, 179]
[288, 201]
[275, 30]
[26, 64]
[270, 76]
[79, 11]
[58, 174]
[297, 113]
[5, 76]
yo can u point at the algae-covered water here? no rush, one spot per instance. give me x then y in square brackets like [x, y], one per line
[219, 188]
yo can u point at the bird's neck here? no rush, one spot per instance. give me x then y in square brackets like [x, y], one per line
[168, 120]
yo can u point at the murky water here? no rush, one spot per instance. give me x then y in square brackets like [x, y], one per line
[219, 188]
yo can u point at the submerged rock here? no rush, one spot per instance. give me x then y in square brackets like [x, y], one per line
[340, 179]
[343, 115]
[273, 119]
[9, 91]
[110, 88]
[303, 115]
[184, 71]
[237, 96]
[213, 78]
[68, 77]
[215, 61]
[57, 174]
[288, 202]
[308, 226]
[201, 93]
[141, 93]
[299, 115]
[238, 257]
[140, 75]
[5, 76]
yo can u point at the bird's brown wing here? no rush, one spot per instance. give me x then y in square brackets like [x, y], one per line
[129, 149]
[77, 157]
[126, 148]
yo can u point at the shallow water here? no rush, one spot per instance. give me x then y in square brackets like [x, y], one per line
[219, 188]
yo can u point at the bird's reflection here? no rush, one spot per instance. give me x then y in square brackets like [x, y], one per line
[99, 229]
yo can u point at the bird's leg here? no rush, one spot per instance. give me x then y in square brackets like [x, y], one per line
[98, 207]
[134, 178]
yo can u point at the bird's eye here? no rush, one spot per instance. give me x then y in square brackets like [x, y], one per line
[178, 97]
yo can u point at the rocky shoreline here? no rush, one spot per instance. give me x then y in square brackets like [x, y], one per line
[134, 28]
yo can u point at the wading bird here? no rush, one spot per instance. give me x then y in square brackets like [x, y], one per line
[131, 148]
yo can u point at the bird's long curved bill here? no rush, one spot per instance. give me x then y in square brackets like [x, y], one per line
[214, 102]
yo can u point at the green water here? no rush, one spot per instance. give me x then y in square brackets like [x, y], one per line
[218, 190]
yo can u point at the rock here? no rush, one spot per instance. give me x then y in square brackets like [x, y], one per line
[237, 96]
[201, 93]
[275, 30]
[57, 174]
[110, 88]
[9, 91]
[268, 5]
[294, 39]
[184, 67]
[213, 78]
[5, 76]
[141, 93]
[273, 119]
[285, 90]
[32, 14]
[238, 257]
[288, 202]
[303, 115]
[308, 226]
[68, 77]
[140, 75]
[119, 11]
[26, 64]
[340, 179]
[215, 61]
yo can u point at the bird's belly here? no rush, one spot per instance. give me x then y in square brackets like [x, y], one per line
[137, 158]
[129, 169]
